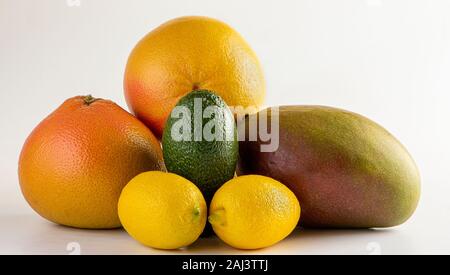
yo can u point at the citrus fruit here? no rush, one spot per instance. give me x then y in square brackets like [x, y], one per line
[347, 170]
[252, 212]
[209, 158]
[162, 210]
[75, 163]
[186, 54]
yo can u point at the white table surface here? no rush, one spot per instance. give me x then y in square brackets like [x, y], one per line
[30, 234]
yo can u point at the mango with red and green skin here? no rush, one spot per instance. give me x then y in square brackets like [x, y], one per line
[346, 170]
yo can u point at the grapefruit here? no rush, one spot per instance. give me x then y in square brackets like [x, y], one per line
[186, 54]
[75, 163]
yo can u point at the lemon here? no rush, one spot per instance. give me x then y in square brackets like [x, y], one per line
[252, 212]
[162, 210]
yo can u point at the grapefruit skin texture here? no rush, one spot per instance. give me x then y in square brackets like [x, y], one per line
[162, 210]
[186, 54]
[75, 163]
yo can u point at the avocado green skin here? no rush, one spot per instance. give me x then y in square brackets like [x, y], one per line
[208, 164]
[346, 170]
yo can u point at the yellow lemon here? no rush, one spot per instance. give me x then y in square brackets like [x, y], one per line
[252, 212]
[162, 210]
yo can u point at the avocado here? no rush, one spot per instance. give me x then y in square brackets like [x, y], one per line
[200, 141]
[346, 170]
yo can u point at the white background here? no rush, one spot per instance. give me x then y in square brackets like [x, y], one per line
[386, 59]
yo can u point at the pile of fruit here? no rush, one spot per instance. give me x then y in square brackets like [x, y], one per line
[91, 164]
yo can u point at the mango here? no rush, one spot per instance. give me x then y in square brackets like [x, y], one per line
[346, 170]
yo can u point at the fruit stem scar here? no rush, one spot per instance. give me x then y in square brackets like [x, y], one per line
[196, 86]
[217, 217]
[196, 212]
[89, 99]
